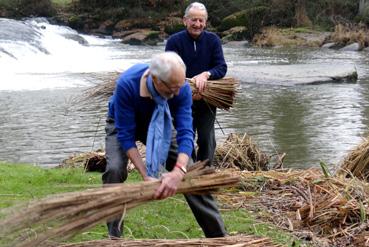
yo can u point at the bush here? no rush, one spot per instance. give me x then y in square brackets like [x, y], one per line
[251, 18]
[21, 8]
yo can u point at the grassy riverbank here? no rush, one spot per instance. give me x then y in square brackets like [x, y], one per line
[167, 219]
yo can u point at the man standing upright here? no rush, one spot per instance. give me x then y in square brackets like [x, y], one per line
[202, 53]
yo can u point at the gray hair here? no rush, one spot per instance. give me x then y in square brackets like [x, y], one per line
[196, 5]
[163, 63]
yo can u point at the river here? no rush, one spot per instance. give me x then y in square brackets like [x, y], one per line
[45, 68]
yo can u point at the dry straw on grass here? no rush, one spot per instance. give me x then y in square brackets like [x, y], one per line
[333, 208]
[62, 216]
[235, 241]
[220, 93]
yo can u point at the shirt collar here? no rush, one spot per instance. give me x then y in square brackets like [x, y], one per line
[144, 92]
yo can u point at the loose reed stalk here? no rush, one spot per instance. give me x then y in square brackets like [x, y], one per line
[236, 241]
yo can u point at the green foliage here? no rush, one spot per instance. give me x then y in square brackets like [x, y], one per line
[364, 17]
[173, 28]
[281, 13]
[21, 8]
[251, 18]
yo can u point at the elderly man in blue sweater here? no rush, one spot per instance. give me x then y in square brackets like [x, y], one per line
[202, 53]
[152, 104]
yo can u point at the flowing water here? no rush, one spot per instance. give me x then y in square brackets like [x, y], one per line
[44, 68]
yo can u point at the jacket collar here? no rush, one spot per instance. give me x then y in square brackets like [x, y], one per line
[144, 91]
[198, 38]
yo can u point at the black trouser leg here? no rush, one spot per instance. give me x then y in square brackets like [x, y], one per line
[203, 123]
[203, 207]
[116, 170]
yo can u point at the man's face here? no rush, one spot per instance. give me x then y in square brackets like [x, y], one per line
[195, 22]
[168, 89]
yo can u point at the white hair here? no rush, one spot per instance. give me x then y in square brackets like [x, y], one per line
[163, 63]
[195, 5]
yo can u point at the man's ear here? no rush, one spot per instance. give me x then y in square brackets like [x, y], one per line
[154, 78]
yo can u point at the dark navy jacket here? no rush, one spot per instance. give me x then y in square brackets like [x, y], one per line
[202, 54]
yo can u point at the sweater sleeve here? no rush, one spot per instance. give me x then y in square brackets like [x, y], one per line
[183, 121]
[219, 68]
[124, 116]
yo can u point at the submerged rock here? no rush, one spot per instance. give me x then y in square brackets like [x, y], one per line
[296, 74]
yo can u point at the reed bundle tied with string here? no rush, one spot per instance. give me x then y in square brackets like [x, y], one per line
[236, 241]
[220, 93]
[61, 216]
[356, 163]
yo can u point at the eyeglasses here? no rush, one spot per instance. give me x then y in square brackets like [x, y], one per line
[172, 89]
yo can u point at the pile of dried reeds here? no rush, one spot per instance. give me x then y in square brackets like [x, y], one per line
[96, 160]
[64, 215]
[90, 161]
[236, 241]
[240, 152]
[302, 201]
[357, 162]
[220, 93]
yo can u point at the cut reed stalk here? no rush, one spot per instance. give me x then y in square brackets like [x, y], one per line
[220, 93]
[235, 241]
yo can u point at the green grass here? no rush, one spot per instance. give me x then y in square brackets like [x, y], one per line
[165, 219]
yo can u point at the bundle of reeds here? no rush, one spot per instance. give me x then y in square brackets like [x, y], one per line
[236, 241]
[96, 160]
[63, 215]
[356, 163]
[220, 93]
[241, 152]
[331, 208]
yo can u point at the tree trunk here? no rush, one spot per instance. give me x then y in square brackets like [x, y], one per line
[302, 20]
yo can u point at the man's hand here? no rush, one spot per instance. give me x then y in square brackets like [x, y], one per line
[196, 96]
[201, 81]
[169, 184]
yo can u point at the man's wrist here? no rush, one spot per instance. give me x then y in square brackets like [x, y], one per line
[181, 167]
[208, 74]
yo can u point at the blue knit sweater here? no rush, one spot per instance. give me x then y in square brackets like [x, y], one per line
[132, 113]
[202, 54]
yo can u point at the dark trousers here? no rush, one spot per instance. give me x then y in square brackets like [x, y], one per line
[203, 123]
[203, 207]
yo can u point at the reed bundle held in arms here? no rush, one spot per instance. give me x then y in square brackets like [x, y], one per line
[62, 216]
[236, 241]
[220, 93]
